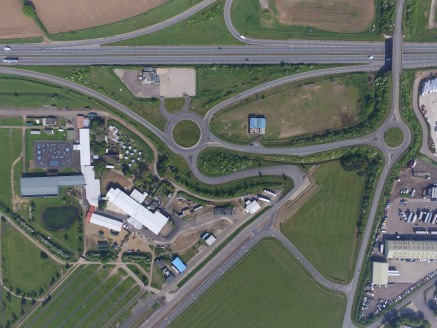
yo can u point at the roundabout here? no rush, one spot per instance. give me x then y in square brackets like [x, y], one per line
[186, 133]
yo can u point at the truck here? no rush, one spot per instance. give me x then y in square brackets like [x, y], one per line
[10, 60]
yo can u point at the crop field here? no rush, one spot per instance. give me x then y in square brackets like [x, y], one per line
[324, 228]
[10, 149]
[293, 111]
[23, 267]
[92, 294]
[59, 217]
[14, 24]
[300, 18]
[62, 16]
[268, 288]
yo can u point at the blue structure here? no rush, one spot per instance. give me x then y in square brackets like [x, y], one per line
[257, 124]
[179, 265]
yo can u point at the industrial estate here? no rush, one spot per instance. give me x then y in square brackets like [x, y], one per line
[224, 163]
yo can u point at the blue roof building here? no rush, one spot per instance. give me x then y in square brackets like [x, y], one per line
[179, 265]
[257, 124]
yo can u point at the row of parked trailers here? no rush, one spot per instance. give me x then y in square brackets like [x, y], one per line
[424, 216]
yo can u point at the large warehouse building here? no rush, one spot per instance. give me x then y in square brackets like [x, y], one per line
[411, 249]
[48, 186]
[380, 273]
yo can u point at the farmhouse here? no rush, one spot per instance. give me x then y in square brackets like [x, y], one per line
[152, 221]
[411, 249]
[48, 186]
[257, 124]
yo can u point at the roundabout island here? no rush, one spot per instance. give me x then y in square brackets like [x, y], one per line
[186, 133]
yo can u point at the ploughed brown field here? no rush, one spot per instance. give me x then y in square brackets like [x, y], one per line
[332, 15]
[14, 24]
[67, 15]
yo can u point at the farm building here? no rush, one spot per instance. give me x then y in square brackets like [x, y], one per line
[48, 186]
[139, 197]
[106, 222]
[380, 273]
[252, 207]
[179, 265]
[35, 131]
[257, 124]
[264, 199]
[411, 249]
[49, 121]
[154, 221]
[224, 211]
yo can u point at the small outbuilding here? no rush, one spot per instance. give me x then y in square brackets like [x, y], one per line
[179, 265]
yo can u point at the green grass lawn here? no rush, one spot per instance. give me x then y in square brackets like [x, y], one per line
[11, 121]
[82, 302]
[295, 110]
[138, 273]
[157, 277]
[206, 27]
[324, 228]
[10, 148]
[186, 133]
[22, 264]
[23, 92]
[151, 17]
[250, 20]
[11, 309]
[416, 21]
[174, 105]
[393, 137]
[60, 217]
[268, 288]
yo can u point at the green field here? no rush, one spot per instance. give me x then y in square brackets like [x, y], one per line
[268, 288]
[324, 228]
[13, 308]
[393, 137]
[416, 17]
[91, 295]
[151, 17]
[60, 217]
[186, 133]
[11, 121]
[296, 110]
[206, 27]
[10, 149]
[23, 267]
[250, 20]
[23, 92]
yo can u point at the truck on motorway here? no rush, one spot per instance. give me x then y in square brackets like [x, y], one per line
[10, 60]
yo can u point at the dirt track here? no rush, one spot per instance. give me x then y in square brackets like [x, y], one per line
[349, 16]
[14, 24]
[63, 15]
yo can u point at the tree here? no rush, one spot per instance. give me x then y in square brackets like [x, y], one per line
[43, 255]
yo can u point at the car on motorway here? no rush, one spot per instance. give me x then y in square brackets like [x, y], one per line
[7, 48]
[370, 57]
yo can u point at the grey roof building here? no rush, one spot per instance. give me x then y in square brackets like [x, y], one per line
[380, 273]
[411, 249]
[48, 186]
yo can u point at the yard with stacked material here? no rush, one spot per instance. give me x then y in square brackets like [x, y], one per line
[268, 288]
[294, 110]
[10, 149]
[25, 269]
[91, 296]
[300, 18]
[324, 228]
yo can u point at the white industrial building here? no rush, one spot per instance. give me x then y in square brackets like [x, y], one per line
[429, 86]
[152, 221]
[139, 197]
[106, 222]
[252, 206]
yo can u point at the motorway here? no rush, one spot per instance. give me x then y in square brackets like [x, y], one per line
[394, 53]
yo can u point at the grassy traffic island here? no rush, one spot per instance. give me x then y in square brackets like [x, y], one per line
[267, 289]
[393, 137]
[186, 133]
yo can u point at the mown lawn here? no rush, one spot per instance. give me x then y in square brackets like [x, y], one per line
[268, 288]
[324, 228]
[296, 110]
[393, 137]
[186, 133]
[206, 27]
[10, 149]
[22, 264]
